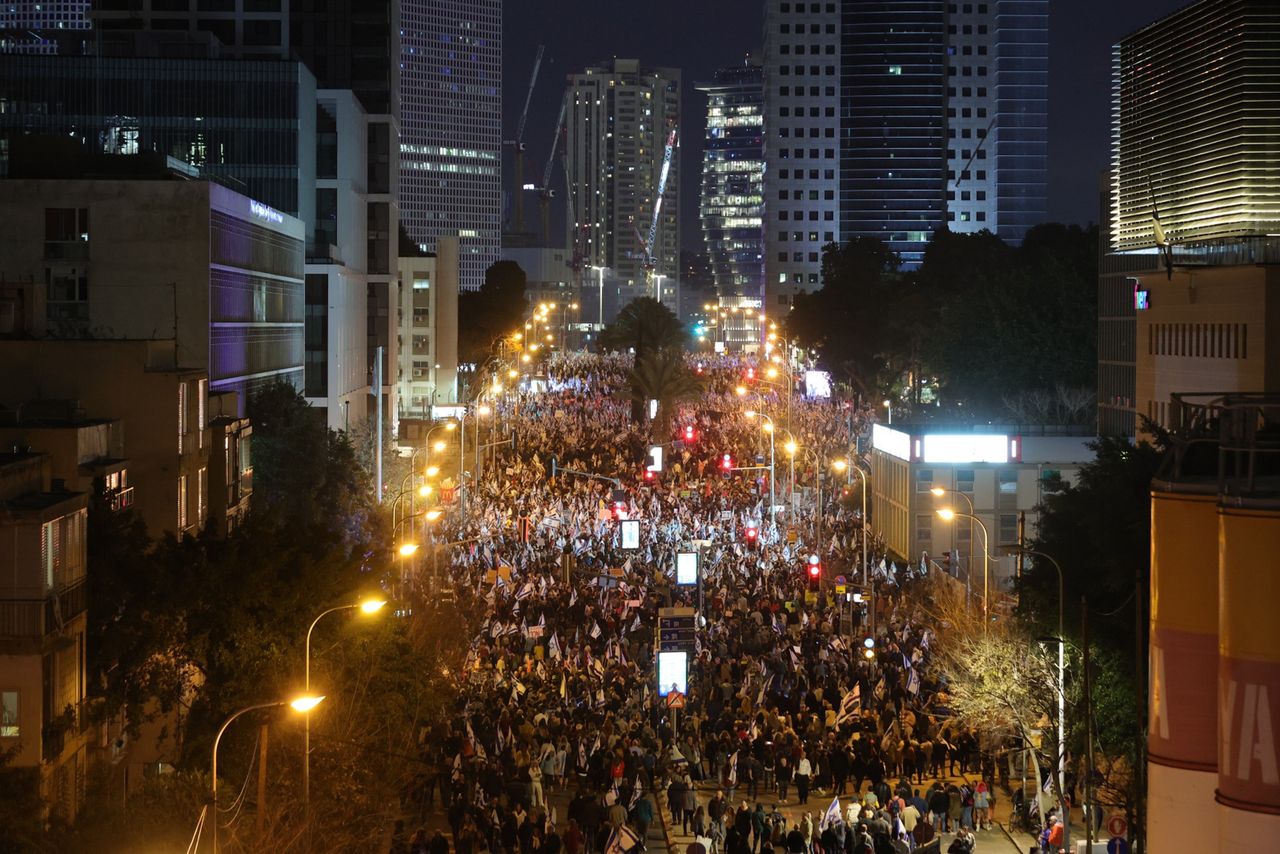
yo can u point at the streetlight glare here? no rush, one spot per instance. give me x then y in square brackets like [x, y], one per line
[839, 465]
[740, 390]
[483, 410]
[938, 491]
[432, 471]
[439, 445]
[424, 490]
[450, 427]
[947, 514]
[771, 373]
[372, 606]
[513, 373]
[767, 427]
[791, 447]
[306, 703]
[407, 549]
[750, 413]
[432, 515]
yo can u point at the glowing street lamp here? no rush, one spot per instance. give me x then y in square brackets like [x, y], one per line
[948, 515]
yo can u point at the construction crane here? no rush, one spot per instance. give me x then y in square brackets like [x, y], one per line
[646, 244]
[545, 193]
[517, 144]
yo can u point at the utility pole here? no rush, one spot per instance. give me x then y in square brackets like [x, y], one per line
[262, 782]
[377, 438]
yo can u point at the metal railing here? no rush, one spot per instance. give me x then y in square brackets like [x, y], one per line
[35, 618]
[1234, 436]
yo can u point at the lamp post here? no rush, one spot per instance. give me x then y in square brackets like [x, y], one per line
[888, 407]
[938, 492]
[773, 500]
[843, 465]
[564, 322]
[367, 606]
[303, 704]
[947, 515]
[1062, 690]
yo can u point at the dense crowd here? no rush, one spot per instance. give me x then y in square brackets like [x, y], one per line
[558, 693]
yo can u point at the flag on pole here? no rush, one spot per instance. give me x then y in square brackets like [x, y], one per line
[595, 630]
[831, 816]
[850, 705]
[621, 841]
[553, 646]
[879, 690]
[913, 684]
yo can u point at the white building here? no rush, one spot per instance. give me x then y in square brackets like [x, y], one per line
[618, 121]
[801, 145]
[451, 128]
[997, 476]
[427, 315]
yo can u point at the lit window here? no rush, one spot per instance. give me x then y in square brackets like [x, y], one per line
[9, 714]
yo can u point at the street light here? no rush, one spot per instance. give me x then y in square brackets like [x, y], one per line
[370, 605]
[601, 270]
[889, 409]
[948, 515]
[303, 705]
[939, 492]
[1016, 549]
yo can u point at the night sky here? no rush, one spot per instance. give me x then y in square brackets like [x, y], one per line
[699, 36]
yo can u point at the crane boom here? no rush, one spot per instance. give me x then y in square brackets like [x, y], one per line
[657, 201]
[533, 78]
[555, 140]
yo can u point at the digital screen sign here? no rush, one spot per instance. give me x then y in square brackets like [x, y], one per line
[630, 534]
[687, 568]
[673, 672]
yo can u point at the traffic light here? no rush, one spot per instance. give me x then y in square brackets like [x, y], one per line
[726, 465]
[814, 570]
[751, 374]
[690, 434]
[751, 533]
[698, 370]
[650, 476]
[526, 528]
[619, 509]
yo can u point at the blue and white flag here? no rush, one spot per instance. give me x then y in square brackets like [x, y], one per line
[831, 816]
[913, 684]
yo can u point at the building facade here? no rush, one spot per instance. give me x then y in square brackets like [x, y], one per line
[216, 272]
[802, 56]
[427, 372]
[619, 119]
[1192, 220]
[999, 477]
[43, 614]
[732, 202]
[30, 27]
[937, 116]
[451, 128]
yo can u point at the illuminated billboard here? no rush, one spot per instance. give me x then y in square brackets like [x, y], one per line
[895, 443]
[673, 672]
[966, 448]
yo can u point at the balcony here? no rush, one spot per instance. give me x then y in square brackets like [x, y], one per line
[37, 618]
[121, 498]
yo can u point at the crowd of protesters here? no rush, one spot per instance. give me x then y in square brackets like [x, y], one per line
[786, 705]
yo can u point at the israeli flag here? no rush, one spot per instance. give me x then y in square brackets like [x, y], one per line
[831, 816]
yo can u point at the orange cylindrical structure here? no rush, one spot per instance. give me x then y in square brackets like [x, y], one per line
[1182, 733]
[1249, 675]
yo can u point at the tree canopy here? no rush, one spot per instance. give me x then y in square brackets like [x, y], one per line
[496, 309]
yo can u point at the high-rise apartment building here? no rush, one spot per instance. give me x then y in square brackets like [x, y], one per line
[801, 146]
[451, 128]
[939, 116]
[619, 118]
[732, 202]
[28, 26]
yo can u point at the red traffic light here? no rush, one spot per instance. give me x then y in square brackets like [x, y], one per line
[726, 462]
[619, 509]
[751, 373]
[751, 533]
[699, 368]
[649, 476]
[815, 566]
[689, 433]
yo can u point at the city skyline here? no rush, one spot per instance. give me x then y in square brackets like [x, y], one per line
[1081, 37]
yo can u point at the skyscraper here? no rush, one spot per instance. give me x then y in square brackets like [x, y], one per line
[619, 119]
[451, 128]
[733, 179]
[802, 122]
[940, 116]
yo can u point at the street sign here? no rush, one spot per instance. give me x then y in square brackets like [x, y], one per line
[841, 589]
[630, 534]
[676, 630]
[675, 700]
[1118, 825]
[792, 535]
[1118, 845]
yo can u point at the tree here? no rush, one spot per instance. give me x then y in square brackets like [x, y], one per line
[644, 326]
[496, 309]
[845, 319]
[665, 377]
[1099, 531]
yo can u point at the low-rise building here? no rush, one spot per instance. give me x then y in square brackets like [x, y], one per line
[43, 607]
[427, 372]
[998, 475]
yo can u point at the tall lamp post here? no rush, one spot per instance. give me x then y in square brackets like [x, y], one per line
[844, 466]
[947, 515]
[303, 704]
[1062, 690]
[939, 492]
[600, 271]
[367, 606]
[768, 428]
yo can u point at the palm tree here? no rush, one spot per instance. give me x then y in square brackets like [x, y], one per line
[645, 326]
[662, 375]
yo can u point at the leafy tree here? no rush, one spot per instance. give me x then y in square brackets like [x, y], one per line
[845, 319]
[644, 326]
[496, 309]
